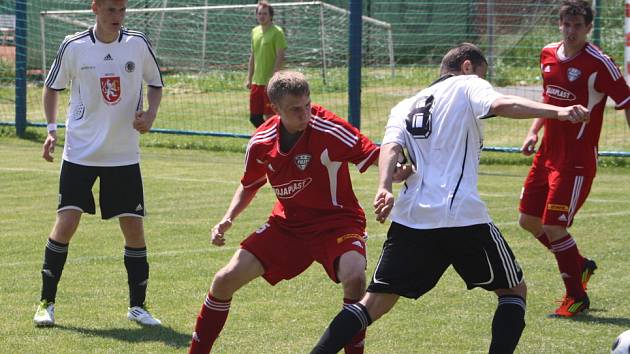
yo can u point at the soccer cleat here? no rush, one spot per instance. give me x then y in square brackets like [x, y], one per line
[45, 314]
[142, 316]
[570, 307]
[588, 269]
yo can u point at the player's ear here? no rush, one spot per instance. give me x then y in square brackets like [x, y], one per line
[274, 107]
[467, 67]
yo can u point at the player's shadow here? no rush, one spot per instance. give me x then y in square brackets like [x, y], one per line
[166, 335]
[592, 317]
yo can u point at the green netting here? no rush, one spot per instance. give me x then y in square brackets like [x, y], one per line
[205, 78]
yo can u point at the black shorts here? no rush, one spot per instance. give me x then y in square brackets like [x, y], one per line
[412, 261]
[120, 194]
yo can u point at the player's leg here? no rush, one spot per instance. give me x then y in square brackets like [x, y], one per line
[122, 196]
[567, 194]
[75, 197]
[409, 266]
[483, 258]
[351, 274]
[532, 203]
[257, 105]
[242, 268]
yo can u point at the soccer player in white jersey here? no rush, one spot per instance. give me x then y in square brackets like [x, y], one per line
[439, 218]
[106, 65]
[303, 152]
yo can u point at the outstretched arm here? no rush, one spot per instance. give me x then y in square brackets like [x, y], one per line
[384, 199]
[241, 199]
[519, 108]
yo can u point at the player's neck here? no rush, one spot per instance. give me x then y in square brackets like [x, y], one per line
[287, 139]
[266, 26]
[568, 51]
[105, 36]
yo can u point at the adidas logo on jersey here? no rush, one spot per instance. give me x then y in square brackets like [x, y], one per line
[108, 57]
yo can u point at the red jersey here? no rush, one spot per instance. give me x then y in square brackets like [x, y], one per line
[312, 180]
[587, 78]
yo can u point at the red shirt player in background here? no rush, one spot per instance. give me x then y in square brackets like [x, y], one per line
[574, 72]
[303, 152]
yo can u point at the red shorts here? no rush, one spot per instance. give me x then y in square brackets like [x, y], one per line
[259, 101]
[285, 256]
[554, 196]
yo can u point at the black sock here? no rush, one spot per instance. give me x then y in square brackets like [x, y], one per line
[137, 274]
[342, 329]
[508, 324]
[54, 259]
[256, 119]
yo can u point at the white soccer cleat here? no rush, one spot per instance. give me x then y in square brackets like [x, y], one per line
[45, 314]
[142, 316]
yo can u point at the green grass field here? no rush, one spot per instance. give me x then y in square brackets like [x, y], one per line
[187, 191]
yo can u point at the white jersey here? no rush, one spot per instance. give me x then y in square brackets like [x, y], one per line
[442, 130]
[107, 90]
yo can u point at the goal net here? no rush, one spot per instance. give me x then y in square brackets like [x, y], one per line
[203, 38]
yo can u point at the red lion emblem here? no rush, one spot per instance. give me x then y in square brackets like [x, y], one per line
[110, 89]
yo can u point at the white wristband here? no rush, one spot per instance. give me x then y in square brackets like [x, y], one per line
[51, 127]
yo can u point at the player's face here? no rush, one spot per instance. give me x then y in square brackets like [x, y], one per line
[262, 16]
[295, 112]
[574, 30]
[110, 15]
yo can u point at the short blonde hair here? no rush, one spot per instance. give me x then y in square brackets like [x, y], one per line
[284, 83]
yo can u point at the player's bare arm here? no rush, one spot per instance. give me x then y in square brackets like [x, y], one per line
[529, 145]
[250, 71]
[143, 120]
[241, 199]
[520, 108]
[50, 99]
[627, 111]
[384, 199]
[277, 66]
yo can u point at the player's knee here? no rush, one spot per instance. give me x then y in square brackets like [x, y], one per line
[530, 224]
[518, 290]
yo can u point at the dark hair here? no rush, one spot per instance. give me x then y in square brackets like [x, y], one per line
[577, 8]
[453, 60]
[284, 83]
[265, 4]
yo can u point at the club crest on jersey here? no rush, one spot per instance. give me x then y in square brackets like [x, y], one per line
[573, 74]
[130, 66]
[302, 160]
[291, 189]
[110, 89]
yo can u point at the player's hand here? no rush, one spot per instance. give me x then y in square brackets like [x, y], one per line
[143, 121]
[401, 173]
[218, 231]
[49, 146]
[383, 204]
[529, 145]
[248, 84]
[575, 114]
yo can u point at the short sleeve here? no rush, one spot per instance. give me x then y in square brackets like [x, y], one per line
[343, 141]
[151, 70]
[281, 41]
[254, 175]
[60, 73]
[396, 127]
[611, 82]
[481, 95]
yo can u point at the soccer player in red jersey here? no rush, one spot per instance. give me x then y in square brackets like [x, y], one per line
[574, 72]
[303, 152]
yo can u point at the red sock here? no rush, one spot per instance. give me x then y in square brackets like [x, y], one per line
[570, 265]
[542, 238]
[357, 344]
[209, 324]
